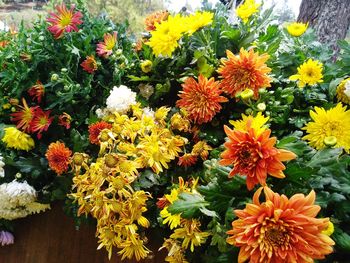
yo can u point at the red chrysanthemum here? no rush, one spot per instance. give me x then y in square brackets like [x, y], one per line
[64, 120]
[64, 21]
[155, 18]
[24, 116]
[201, 99]
[41, 121]
[105, 48]
[245, 71]
[89, 64]
[58, 156]
[280, 230]
[95, 129]
[162, 202]
[254, 155]
[37, 91]
[188, 159]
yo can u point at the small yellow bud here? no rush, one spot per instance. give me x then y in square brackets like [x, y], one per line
[146, 66]
[247, 94]
[330, 141]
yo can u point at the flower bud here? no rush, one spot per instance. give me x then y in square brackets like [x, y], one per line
[18, 175]
[261, 106]
[64, 70]
[41, 38]
[146, 66]
[78, 159]
[54, 77]
[247, 94]
[118, 52]
[330, 141]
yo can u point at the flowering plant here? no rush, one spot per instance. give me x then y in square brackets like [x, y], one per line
[185, 132]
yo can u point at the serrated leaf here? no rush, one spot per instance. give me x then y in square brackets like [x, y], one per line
[188, 205]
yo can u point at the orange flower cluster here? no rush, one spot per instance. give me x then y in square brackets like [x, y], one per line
[245, 71]
[280, 230]
[201, 99]
[253, 154]
[58, 156]
[155, 18]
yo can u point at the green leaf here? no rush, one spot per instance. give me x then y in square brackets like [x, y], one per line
[189, 205]
[342, 240]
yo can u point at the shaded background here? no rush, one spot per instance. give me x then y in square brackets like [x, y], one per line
[51, 237]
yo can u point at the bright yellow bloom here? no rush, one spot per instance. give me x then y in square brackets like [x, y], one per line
[18, 140]
[343, 91]
[161, 114]
[309, 72]
[247, 9]
[165, 37]
[133, 249]
[197, 21]
[257, 123]
[173, 220]
[327, 124]
[190, 233]
[329, 230]
[297, 29]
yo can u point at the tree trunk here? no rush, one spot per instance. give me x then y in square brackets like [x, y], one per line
[329, 18]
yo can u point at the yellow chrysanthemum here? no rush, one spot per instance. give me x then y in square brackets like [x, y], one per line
[309, 72]
[190, 233]
[165, 37]
[197, 21]
[247, 9]
[329, 128]
[257, 123]
[132, 249]
[173, 220]
[297, 29]
[343, 91]
[18, 140]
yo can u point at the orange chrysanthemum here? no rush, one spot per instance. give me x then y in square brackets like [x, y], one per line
[188, 159]
[280, 230]
[245, 71]
[105, 48]
[58, 156]
[95, 129]
[41, 121]
[254, 155]
[24, 116]
[155, 18]
[64, 21]
[37, 91]
[89, 64]
[201, 99]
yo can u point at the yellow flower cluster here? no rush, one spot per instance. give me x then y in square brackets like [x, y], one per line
[189, 231]
[310, 72]
[258, 123]
[18, 140]
[165, 38]
[297, 29]
[247, 9]
[104, 189]
[329, 128]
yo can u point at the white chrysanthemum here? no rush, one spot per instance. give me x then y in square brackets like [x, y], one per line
[17, 200]
[2, 164]
[120, 99]
[16, 194]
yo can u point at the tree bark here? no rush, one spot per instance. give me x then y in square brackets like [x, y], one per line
[329, 18]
